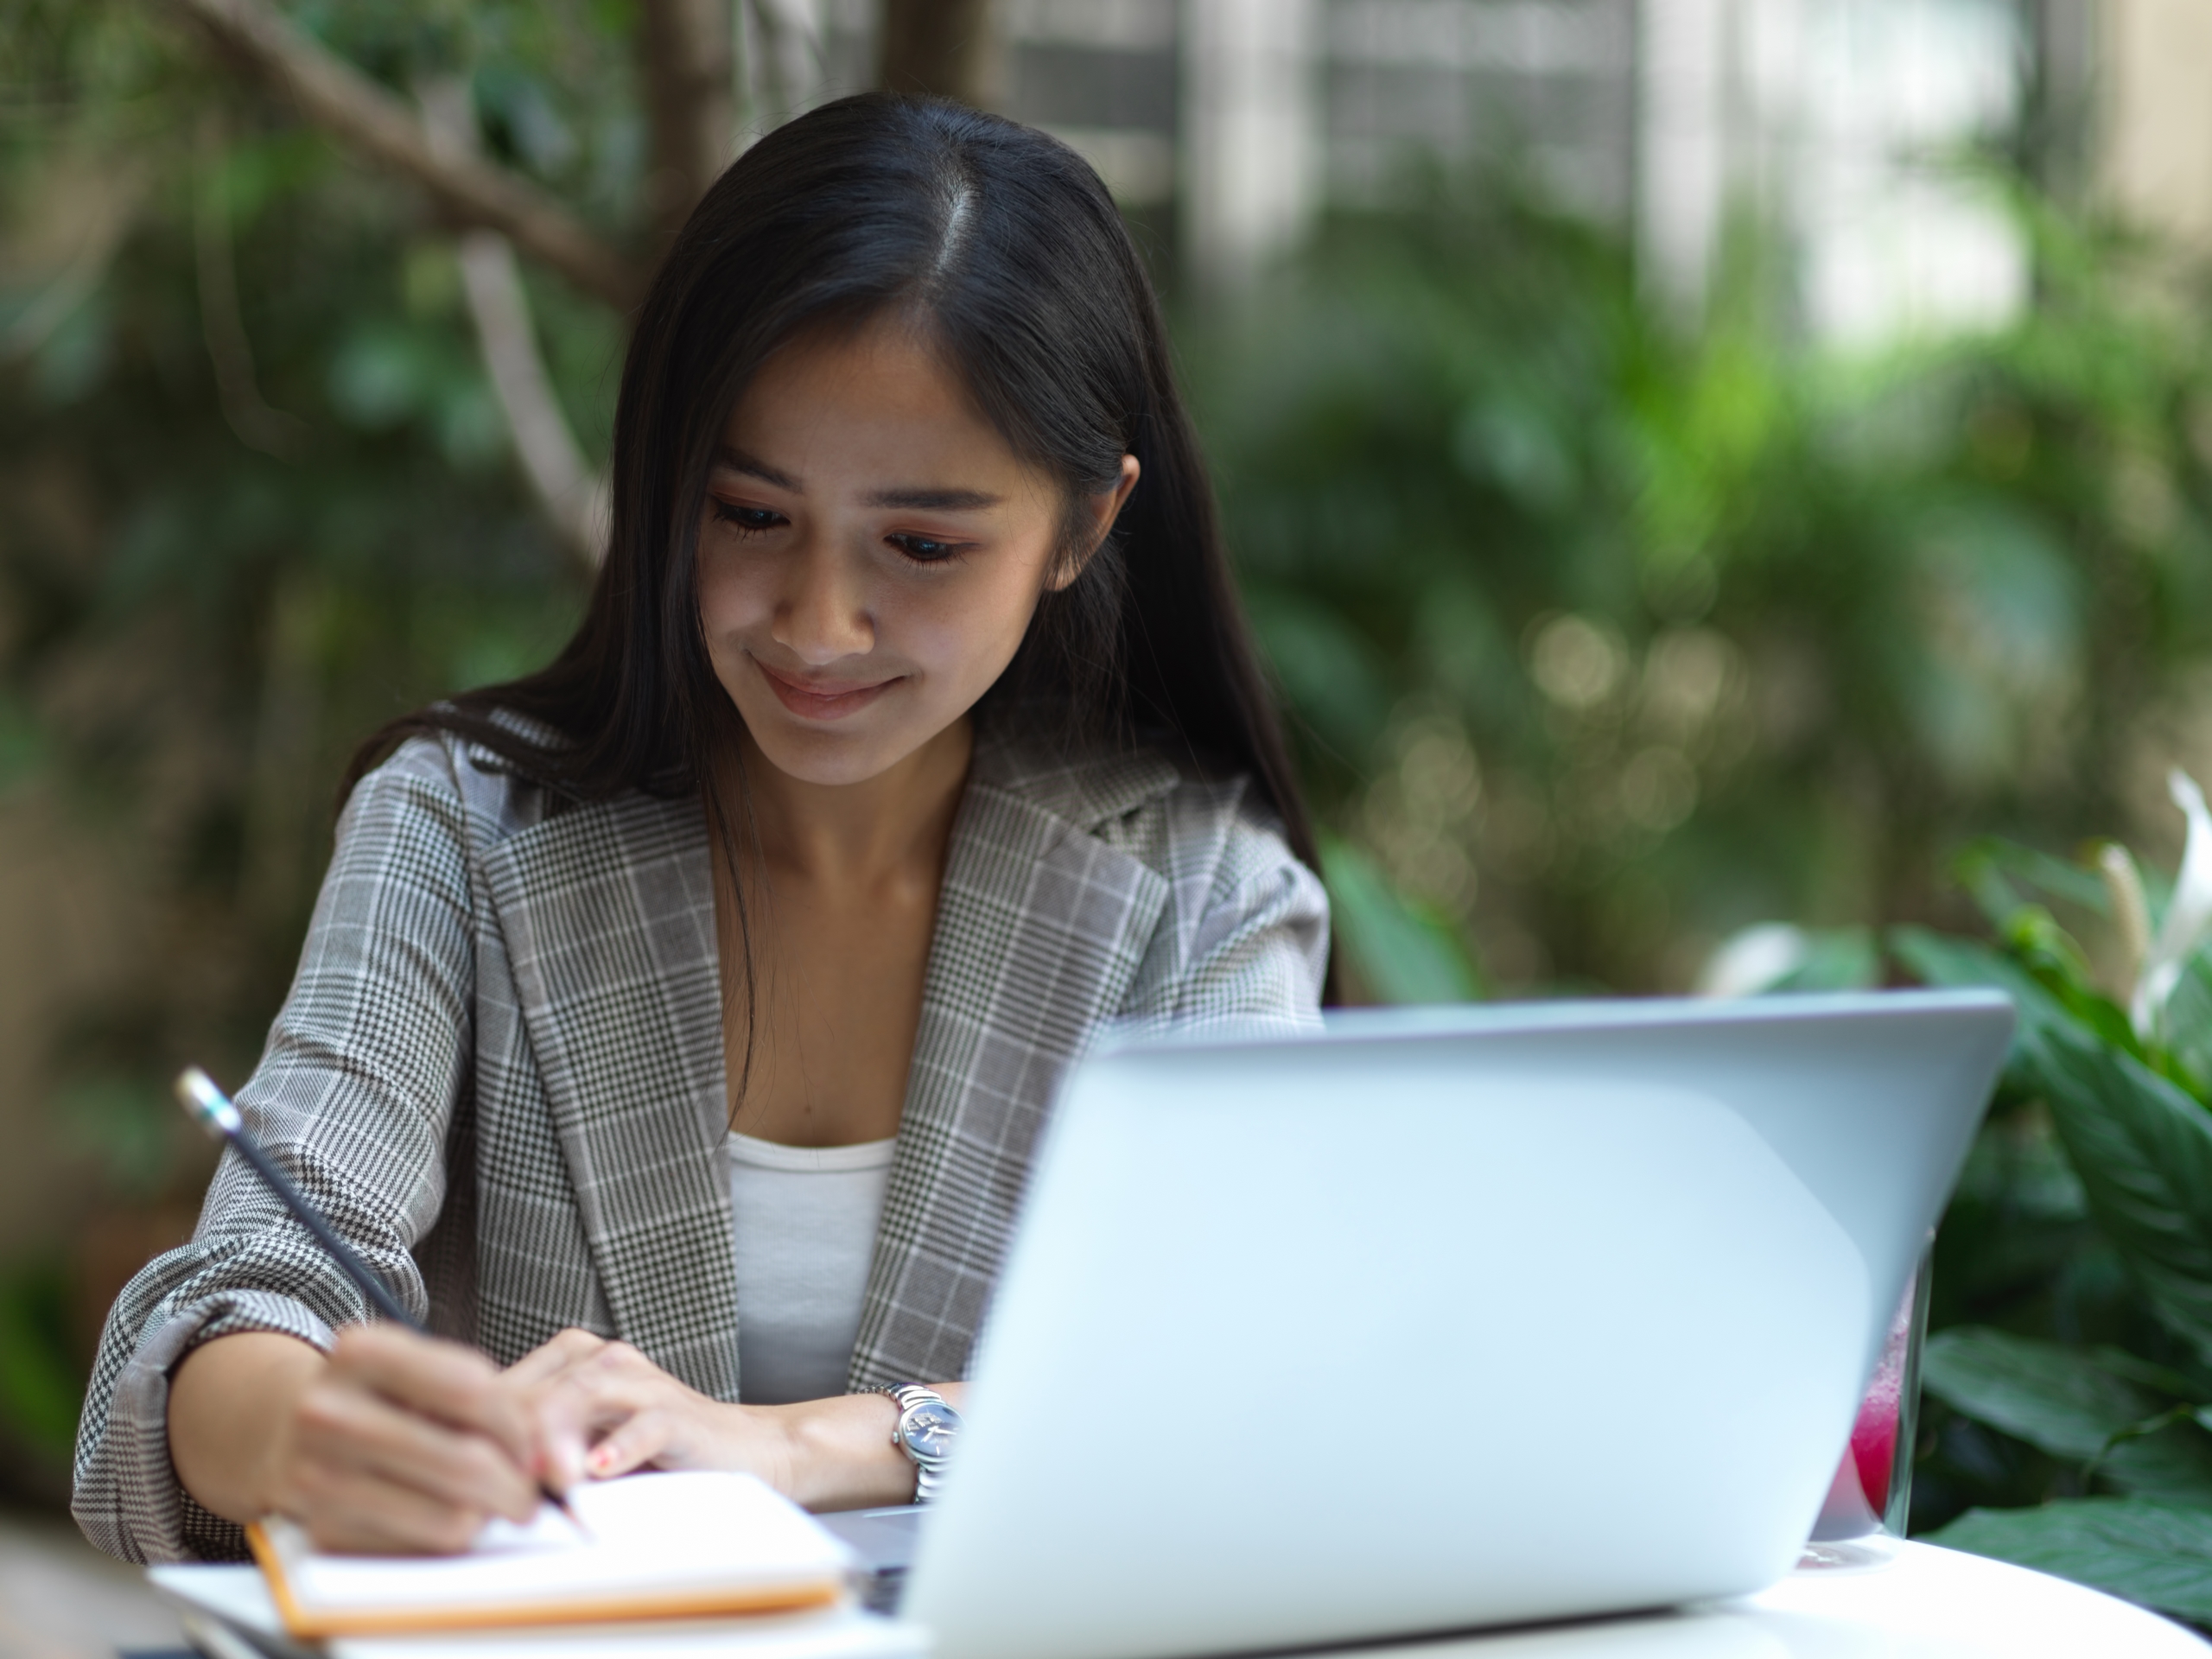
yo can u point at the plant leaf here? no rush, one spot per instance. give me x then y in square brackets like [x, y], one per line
[2143, 1149]
[2160, 1379]
[1987, 866]
[2188, 920]
[1835, 959]
[2154, 1553]
[2173, 1465]
[39, 1393]
[1404, 956]
[1935, 959]
[2188, 1023]
[2056, 1398]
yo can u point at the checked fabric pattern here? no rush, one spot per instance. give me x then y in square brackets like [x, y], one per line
[500, 1073]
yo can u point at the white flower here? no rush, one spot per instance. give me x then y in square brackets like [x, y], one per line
[1754, 960]
[2188, 920]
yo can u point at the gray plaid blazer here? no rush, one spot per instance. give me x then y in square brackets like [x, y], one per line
[500, 1073]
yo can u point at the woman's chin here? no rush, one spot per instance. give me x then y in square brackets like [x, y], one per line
[850, 752]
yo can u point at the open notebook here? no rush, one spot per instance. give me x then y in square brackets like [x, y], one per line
[660, 1546]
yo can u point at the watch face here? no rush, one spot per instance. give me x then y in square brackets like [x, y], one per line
[929, 1429]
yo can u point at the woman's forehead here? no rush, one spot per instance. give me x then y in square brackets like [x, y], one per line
[873, 410]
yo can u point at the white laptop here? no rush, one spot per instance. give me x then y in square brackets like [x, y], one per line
[1443, 1318]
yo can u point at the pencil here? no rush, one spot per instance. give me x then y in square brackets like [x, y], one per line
[213, 1111]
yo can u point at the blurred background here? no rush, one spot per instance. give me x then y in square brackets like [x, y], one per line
[1693, 464]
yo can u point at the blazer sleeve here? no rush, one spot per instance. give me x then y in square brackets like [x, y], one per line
[352, 1099]
[1246, 942]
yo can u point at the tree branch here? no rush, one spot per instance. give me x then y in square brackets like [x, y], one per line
[572, 499]
[339, 97]
[685, 49]
[222, 324]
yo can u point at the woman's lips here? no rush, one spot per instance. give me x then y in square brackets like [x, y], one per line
[825, 699]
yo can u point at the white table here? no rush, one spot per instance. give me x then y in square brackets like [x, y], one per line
[1924, 1603]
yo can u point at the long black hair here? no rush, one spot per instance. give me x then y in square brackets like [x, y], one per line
[1002, 245]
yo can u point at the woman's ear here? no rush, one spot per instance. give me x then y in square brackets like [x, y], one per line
[1098, 512]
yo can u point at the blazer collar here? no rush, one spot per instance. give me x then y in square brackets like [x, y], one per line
[1040, 927]
[1087, 790]
[608, 915]
[608, 918]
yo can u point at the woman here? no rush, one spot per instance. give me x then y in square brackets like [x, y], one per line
[708, 989]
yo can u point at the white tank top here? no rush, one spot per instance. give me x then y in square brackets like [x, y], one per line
[804, 1224]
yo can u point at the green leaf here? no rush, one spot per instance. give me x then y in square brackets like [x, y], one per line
[2157, 1554]
[1988, 866]
[2047, 951]
[2143, 1149]
[2160, 1379]
[1403, 955]
[2189, 1022]
[2053, 1397]
[2172, 1464]
[23, 743]
[40, 1390]
[1937, 959]
[1835, 959]
[1329, 671]
[2046, 977]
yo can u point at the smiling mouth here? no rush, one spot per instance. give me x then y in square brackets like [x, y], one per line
[825, 700]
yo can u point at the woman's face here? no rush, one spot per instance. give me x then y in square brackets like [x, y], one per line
[871, 552]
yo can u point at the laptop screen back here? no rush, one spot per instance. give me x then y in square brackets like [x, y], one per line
[1443, 1320]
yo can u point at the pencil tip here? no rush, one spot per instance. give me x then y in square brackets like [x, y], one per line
[560, 1501]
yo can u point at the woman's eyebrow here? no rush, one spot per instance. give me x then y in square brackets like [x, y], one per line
[912, 498]
[736, 460]
[918, 499]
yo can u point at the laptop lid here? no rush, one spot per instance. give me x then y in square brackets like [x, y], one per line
[1443, 1318]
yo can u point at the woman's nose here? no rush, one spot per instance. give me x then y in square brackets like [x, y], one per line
[823, 614]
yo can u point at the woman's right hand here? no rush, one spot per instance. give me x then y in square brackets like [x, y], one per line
[393, 1443]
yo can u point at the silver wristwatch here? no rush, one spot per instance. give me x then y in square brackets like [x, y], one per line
[927, 1427]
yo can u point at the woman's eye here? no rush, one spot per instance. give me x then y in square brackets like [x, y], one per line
[748, 520]
[925, 550]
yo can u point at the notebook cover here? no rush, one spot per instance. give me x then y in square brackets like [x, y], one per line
[779, 1583]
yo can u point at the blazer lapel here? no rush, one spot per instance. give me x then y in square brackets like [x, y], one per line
[1040, 927]
[609, 914]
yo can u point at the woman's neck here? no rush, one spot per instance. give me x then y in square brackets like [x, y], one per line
[860, 833]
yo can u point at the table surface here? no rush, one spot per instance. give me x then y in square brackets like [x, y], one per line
[1919, 1603]
[1922, 1603]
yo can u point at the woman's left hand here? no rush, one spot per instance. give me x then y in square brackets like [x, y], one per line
[604, 1409]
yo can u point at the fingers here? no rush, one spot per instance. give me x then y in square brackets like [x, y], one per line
[569, 1386]
[619, 1404]
[359, 1514]
[548, 1360]
[344, 1432]
[640, 1438]
[422, 1422]
[558, 1428]
[439, 1380]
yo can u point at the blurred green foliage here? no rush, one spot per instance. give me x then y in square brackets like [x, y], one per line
[209, 593]
[38, 1390]
[206, 600]
[1608, 636]
[2069, 1373]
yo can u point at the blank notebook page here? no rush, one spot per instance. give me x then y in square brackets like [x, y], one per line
[660, 1545]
